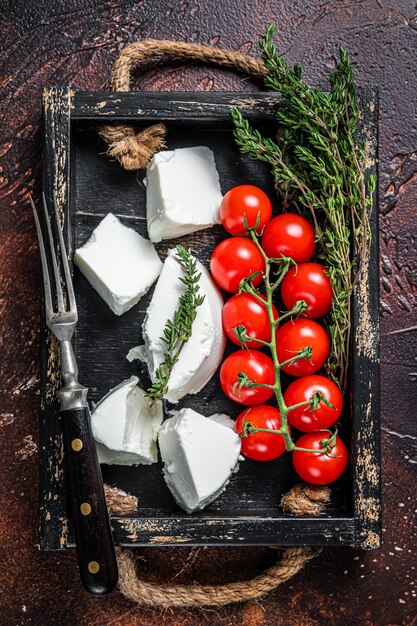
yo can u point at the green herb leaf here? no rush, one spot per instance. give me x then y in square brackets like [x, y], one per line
[318, 169]
[179, 330]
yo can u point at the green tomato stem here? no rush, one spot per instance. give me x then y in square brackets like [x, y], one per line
[284, 265]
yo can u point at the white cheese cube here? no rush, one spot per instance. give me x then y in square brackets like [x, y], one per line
[126, 421]
[182, 193]
[202, 353]
[199, 456]
[119, 263]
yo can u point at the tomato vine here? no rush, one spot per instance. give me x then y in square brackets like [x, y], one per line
[281, 267]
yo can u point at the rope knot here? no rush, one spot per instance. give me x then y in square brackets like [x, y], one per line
[304, 499]
[134, 149]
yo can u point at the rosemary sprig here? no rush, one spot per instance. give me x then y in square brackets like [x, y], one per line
[179, 330]
[318, 170]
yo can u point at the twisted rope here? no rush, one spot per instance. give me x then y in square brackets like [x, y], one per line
[134, 149]
[163, 595]
[299, 501]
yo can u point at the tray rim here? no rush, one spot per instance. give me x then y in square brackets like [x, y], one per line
[61, 108]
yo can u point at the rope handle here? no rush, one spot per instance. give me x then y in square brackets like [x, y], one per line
[303, 499]
[134, 149]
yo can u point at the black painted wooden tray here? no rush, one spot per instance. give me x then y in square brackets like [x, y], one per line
[89, 185]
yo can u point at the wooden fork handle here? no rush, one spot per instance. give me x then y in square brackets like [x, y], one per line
[94, 542]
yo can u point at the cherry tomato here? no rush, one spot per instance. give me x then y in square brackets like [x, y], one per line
[308, 282]
[257, 366]
[261, 446]
[298, 334]
[302, 390]
[319, 469]
[245, 310]
[245, 200]
[289, 235]
[233, 259]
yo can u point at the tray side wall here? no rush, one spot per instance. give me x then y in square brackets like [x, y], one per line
[53, 523]
[366, 371]
[61, 107]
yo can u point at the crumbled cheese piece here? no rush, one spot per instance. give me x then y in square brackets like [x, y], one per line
[199, 456]
[126, 423]
[183, 192]
[119, 263]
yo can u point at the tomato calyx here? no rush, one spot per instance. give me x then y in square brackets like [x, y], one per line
[303, 355]
[241, 335]
[243, 380]
[327, 446]
[316, 399]
[256, 224]
[246, 286]
[299, 307]
[313, 404]
[250, 429]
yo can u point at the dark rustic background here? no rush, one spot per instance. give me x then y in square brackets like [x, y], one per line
[75, 41]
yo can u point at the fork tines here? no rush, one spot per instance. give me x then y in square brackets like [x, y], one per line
[56, 260]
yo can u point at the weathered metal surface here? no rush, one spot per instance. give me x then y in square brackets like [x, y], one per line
[61, 42]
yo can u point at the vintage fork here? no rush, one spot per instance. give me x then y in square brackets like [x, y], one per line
[95, 549]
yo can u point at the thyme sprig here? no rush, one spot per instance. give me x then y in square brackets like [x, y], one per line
[318, 169]
[179, 330]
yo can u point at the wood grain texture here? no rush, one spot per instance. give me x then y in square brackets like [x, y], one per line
[75, 41]
[247, 512]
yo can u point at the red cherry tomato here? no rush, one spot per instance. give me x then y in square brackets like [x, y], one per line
[261, 446]
[298, 334]
[302, 390]
[308, 282]
[245, 310]
[319, 469]
[245, 200]
[289, 235]
[257, 366]
[233, 259]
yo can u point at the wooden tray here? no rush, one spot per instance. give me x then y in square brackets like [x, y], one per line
[89, 185]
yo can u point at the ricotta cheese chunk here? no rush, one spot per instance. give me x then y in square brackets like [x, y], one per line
[119, 263]
[202, 353]
[126, 424]
[182, 192]
[199, 456]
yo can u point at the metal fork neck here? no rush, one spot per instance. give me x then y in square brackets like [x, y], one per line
[72, 395]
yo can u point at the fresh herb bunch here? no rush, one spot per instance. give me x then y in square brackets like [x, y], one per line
[318, 170]
[178, 331]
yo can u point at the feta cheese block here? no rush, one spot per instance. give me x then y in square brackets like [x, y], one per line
[202, 353]
[182, 192]
[119, 263]
[126, 423]
[199, 456]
